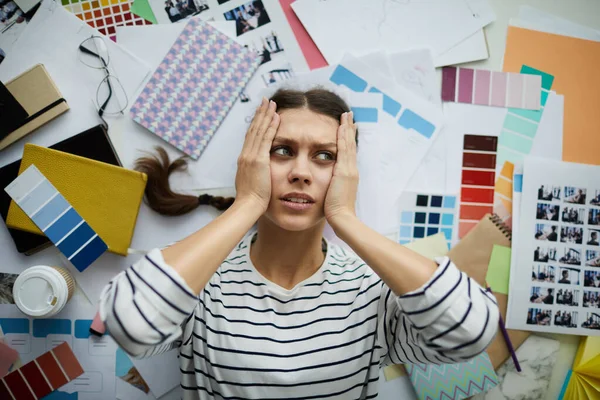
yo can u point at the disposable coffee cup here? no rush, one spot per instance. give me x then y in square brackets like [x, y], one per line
[43, 291]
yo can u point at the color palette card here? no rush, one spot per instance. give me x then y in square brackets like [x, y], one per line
[105, 15]
[96, 355]
[59, 221]
[478, 178]
[453, 381]
[43, 375]
[423, 215]
[194, 87]
[491, 88]
[503, 193]
[520, 126]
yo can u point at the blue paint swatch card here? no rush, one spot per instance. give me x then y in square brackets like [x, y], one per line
[59, 221]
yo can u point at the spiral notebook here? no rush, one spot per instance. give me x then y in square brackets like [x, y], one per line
[472, 255]
[194, 87]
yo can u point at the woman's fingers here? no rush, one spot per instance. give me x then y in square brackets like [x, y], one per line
[267, 139]
[263, 125]
[256, 121]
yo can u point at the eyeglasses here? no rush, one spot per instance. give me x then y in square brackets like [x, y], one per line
[111, 98]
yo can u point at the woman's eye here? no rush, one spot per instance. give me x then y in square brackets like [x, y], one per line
[282, 151]
[326, 156]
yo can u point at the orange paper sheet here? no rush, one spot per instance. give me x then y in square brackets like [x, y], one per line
[575, 64]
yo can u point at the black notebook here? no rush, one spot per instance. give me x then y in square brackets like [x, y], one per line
[93, 143]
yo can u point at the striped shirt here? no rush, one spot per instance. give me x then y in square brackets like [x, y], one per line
[244, 337]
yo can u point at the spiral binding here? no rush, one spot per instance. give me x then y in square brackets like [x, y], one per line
[505, 229]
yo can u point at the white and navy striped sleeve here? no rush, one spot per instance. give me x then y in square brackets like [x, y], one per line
[449, 319]
[145, 306]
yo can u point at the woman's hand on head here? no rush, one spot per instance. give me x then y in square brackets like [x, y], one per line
[253, 178]
[341, 194]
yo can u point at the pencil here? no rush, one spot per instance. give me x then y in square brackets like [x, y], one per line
[509, 344]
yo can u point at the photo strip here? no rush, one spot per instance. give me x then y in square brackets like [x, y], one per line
[593, 236]
[574, 195]
[537, 316]
[592, 321]
[565, 319]
[571, 234]
[277, 75]
[544, 254]
[543, 273]
[567, 297]
[548, 212]
[268, 45]
[571, 256]
[592, 258]
[591, 279]
[595, 199]
[549, 193]
[178, 10]
[594, 216]
[591, 299]
[546, 232]
[568, 276]
[542, 295]
[248, 17]
[573, 215]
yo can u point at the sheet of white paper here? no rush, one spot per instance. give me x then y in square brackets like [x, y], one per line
[414, 70]
[430, 176]
[52, 38]
[574, 265]
[473, 48]
[532, 18]
[380, 62]
[359, 26]
[96, 355]
[549, 137]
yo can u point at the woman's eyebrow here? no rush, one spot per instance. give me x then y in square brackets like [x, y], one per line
[290, 141]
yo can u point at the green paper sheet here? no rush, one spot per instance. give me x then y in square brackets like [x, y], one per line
[142, 9]
[499, 269]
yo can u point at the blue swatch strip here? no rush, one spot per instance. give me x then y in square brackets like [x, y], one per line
[14, 325]
[53, 214]
[413, 121]
[82, 328]
[365, 114]
[44, 327]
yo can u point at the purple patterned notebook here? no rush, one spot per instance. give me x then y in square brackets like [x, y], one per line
[194, 87]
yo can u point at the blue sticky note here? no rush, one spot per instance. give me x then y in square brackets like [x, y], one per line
[412, 121]
[390, 105]
[82, 328]
[14, 325]
[365, 114]
[344, 77]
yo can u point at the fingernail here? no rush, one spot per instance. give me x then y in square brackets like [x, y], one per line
[264, 101]
[272, 105]
[351, 115]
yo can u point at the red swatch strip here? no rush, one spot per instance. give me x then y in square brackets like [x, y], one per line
[41, 376]
[477, 180]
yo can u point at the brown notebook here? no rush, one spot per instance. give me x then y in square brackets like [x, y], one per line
[38, 95]
[472, 255]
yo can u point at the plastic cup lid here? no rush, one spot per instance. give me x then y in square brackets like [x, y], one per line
[36, 292]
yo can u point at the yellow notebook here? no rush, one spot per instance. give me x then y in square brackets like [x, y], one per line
[108, 197]
[583, 381]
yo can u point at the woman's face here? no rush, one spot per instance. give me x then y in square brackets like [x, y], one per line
[303, 154]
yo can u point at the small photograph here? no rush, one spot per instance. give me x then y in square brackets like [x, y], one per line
[595, 199]
[573, 215]
[178, 10]
[568, 276]
[571, 256]
[565, 319]
[541, 295]
[591, 279]
[592, 258]
[546, 232]
[570, 234]
[591, 321]
[10, 14]
[548, 212]
[591, 299]
[574, 195]
[277, 75]
[594, 216]
[544, 254]
[129, 373]
[269, 47]
[248, 16]
[549, 193]
[537, 316]
[7, 281]
[593, 235]
[543, 273]
[567, 297]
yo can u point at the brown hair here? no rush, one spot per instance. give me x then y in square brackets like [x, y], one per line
[158, 167]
